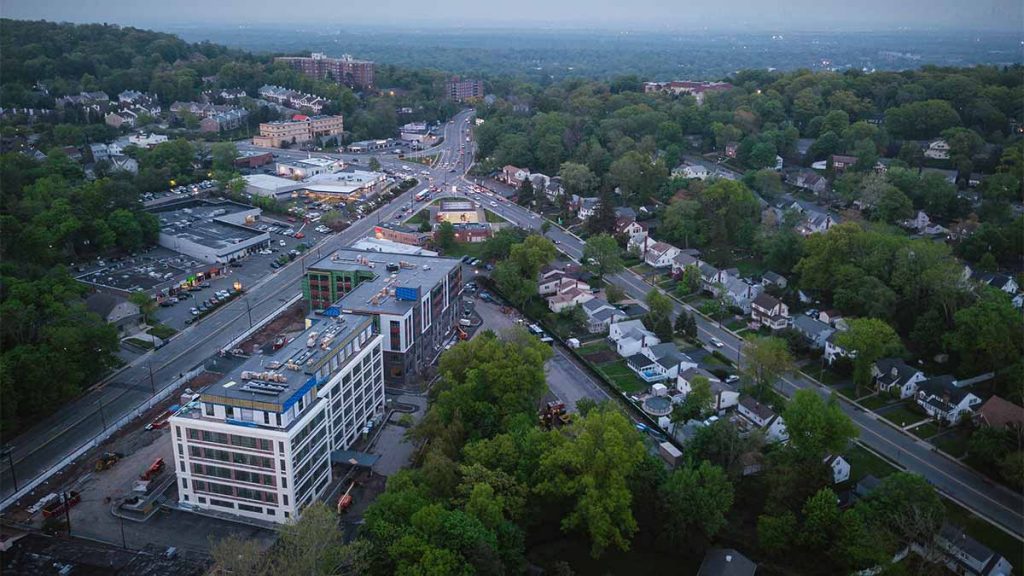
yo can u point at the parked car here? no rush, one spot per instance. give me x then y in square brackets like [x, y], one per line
[717, 343]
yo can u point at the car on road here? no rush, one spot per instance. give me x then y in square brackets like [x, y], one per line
[282, 243]
[717, 343]
[493, 203]
[275, 265]
[732, 378]
[299, 235]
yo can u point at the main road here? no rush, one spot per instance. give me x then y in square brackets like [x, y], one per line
[991, 501]
[39, 449]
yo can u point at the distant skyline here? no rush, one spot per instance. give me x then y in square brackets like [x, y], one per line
[666, 15]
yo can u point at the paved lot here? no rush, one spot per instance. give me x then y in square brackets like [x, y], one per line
[391, 445]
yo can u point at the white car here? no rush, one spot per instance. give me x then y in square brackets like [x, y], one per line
[718, 343]
[282, 243]
[493, 203]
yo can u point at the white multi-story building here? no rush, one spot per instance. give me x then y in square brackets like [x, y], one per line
[259, 442]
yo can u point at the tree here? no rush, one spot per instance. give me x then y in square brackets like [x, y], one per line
[766, 358]
[374, 164]
[695, 499]
[525, 195]
[234, 554]
[145, 303]
[723, 444]
[907, 507]
[577, 179]
[868, 339]
[614, 294]
[590, 468]
[223, 155]
[659, 316]
[603, 218]
[989, 445]
[816, 427]
[532, 254]
[312, 545]
[681, 223]
[446, 236]
[512, 283]
[821, 519]
[775, 532]
[697, 401]
[921, 120]
[604, 251]
[987, 334]
[689, 281]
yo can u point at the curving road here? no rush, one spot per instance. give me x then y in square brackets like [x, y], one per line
[43, 446]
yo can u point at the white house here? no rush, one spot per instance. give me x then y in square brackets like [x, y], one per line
[629, 228]
[560, 284]
[588, 206]
[762, 416]
[683, 259]
[630, 337]
[840, 468]
[770, 278]
[965, 555]
[568, 299]
[723, 396]
[811, 181]
[711, 277]
[767, 310]
[834, 351]
[937, 150]
[996, 280]
[816, 332]
[944, 400]
[660, 255]
[659, 362]
[691, 170]
[638, 243]
[741, 294]
[600, 315]
[893, 374]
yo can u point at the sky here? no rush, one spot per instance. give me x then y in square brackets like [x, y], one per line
[675, 15]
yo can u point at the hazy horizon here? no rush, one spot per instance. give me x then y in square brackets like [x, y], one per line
[639, 15]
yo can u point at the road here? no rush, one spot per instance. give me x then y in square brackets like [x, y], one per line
[991, 501]
[54, 438]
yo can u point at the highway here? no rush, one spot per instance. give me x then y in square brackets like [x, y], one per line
[54, 438]
[989, 500]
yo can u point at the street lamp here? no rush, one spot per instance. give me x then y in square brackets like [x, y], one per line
[8, 452]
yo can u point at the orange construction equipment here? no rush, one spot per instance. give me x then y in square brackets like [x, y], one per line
[462, 333]
[107, 460]
[346, 499]
[154, 469]
[554, 414]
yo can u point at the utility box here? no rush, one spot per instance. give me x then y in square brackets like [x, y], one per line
[669, 453]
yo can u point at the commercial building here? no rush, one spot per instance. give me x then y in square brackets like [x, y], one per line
[462, 89]
[472, 232]
[345, 70]
[457, 212]
[253, 159]
[373, 244]
[413, 298]
[270, 186]
[211, 231]
[400, 233]
[298, 130]
[306, 167]
[349, 185]
[259, 443]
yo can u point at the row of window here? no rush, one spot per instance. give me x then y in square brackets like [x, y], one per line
[261, 444]
[232, 474]
[239, 458]
[234, 491]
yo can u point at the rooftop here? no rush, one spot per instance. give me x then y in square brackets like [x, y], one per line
[282, 377]
[206, 223]
[380, 295]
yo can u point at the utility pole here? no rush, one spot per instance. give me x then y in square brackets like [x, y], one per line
[67, 509]
[124, 541]
[152, 382]
[9, 453]
[249, 310]
[103, 416]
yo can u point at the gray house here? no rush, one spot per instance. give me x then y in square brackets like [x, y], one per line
[117, 311]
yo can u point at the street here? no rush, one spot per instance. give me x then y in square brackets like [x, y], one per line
[56, 437]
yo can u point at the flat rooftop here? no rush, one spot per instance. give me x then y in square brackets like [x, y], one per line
[319, 162]
[457, 206]
[383, 245]
[276, 183]
[380, 295]
[202, 222]
[282, 377]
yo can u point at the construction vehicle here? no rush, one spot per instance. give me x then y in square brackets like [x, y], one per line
[554, 414]
[61, 504]
[154, 470]
[345, 500]
[107, 460]
[462, 333]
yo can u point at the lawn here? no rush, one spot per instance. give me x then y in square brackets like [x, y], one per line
[749, 268]
[144, 344]
[901, 415]
[421, 217]
[864, 462]
[735, 324]
[622, 377]
[874, 402]
[162, 331]
[493, 218]
[953, 442]
[592, 347]
[926, 430]
[474, 249]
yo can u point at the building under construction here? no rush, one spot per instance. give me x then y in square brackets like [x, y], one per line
[413, 299]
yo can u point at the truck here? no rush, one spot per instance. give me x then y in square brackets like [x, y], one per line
[465, 322]
[422, 195]
[61, 504]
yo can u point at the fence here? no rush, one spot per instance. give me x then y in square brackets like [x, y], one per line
[102, 436]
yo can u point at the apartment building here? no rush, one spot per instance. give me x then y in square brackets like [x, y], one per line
[413, 298]
[462, 89]
[259, 442]
[345, 70]
[299, 129]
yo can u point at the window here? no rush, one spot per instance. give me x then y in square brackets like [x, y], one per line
[266, 418]
[285, 500]
[229, 412]
[221, 503]
[184, 482]
[248, 508]
[208, 408]
[177, 431]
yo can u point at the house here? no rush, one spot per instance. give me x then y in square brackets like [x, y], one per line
[684, 259]
[691, 170]
[1001, 414]
[559, 281]
[116, 311]
[568, 299]
[996, 280]
[731, 148]
[770, 278]
[865, 486]
[840, 468]
[639, 242]
[600, 315]
[659, 362]
[945, 400]
[741, 294]
[711, 278]
[726, 562]
[965, 555]
[723, 395]
[554, 188]
[629, 228]
[816, 333]
[624, 212]
[949, 175]
[834, 351]
[811, 181]
[514, 176]
[840, 163]
[830, 316]
[937, 150]
[587, 207]
[767, 310]
[895, 375]
[630, 337]
[122, 163]
[763, 417]
[660, 255]
[99, 152]
[815, 221]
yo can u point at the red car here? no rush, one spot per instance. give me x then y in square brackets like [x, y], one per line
[291, 218]
[300, 235]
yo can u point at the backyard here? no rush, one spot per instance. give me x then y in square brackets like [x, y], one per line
[901, 414]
